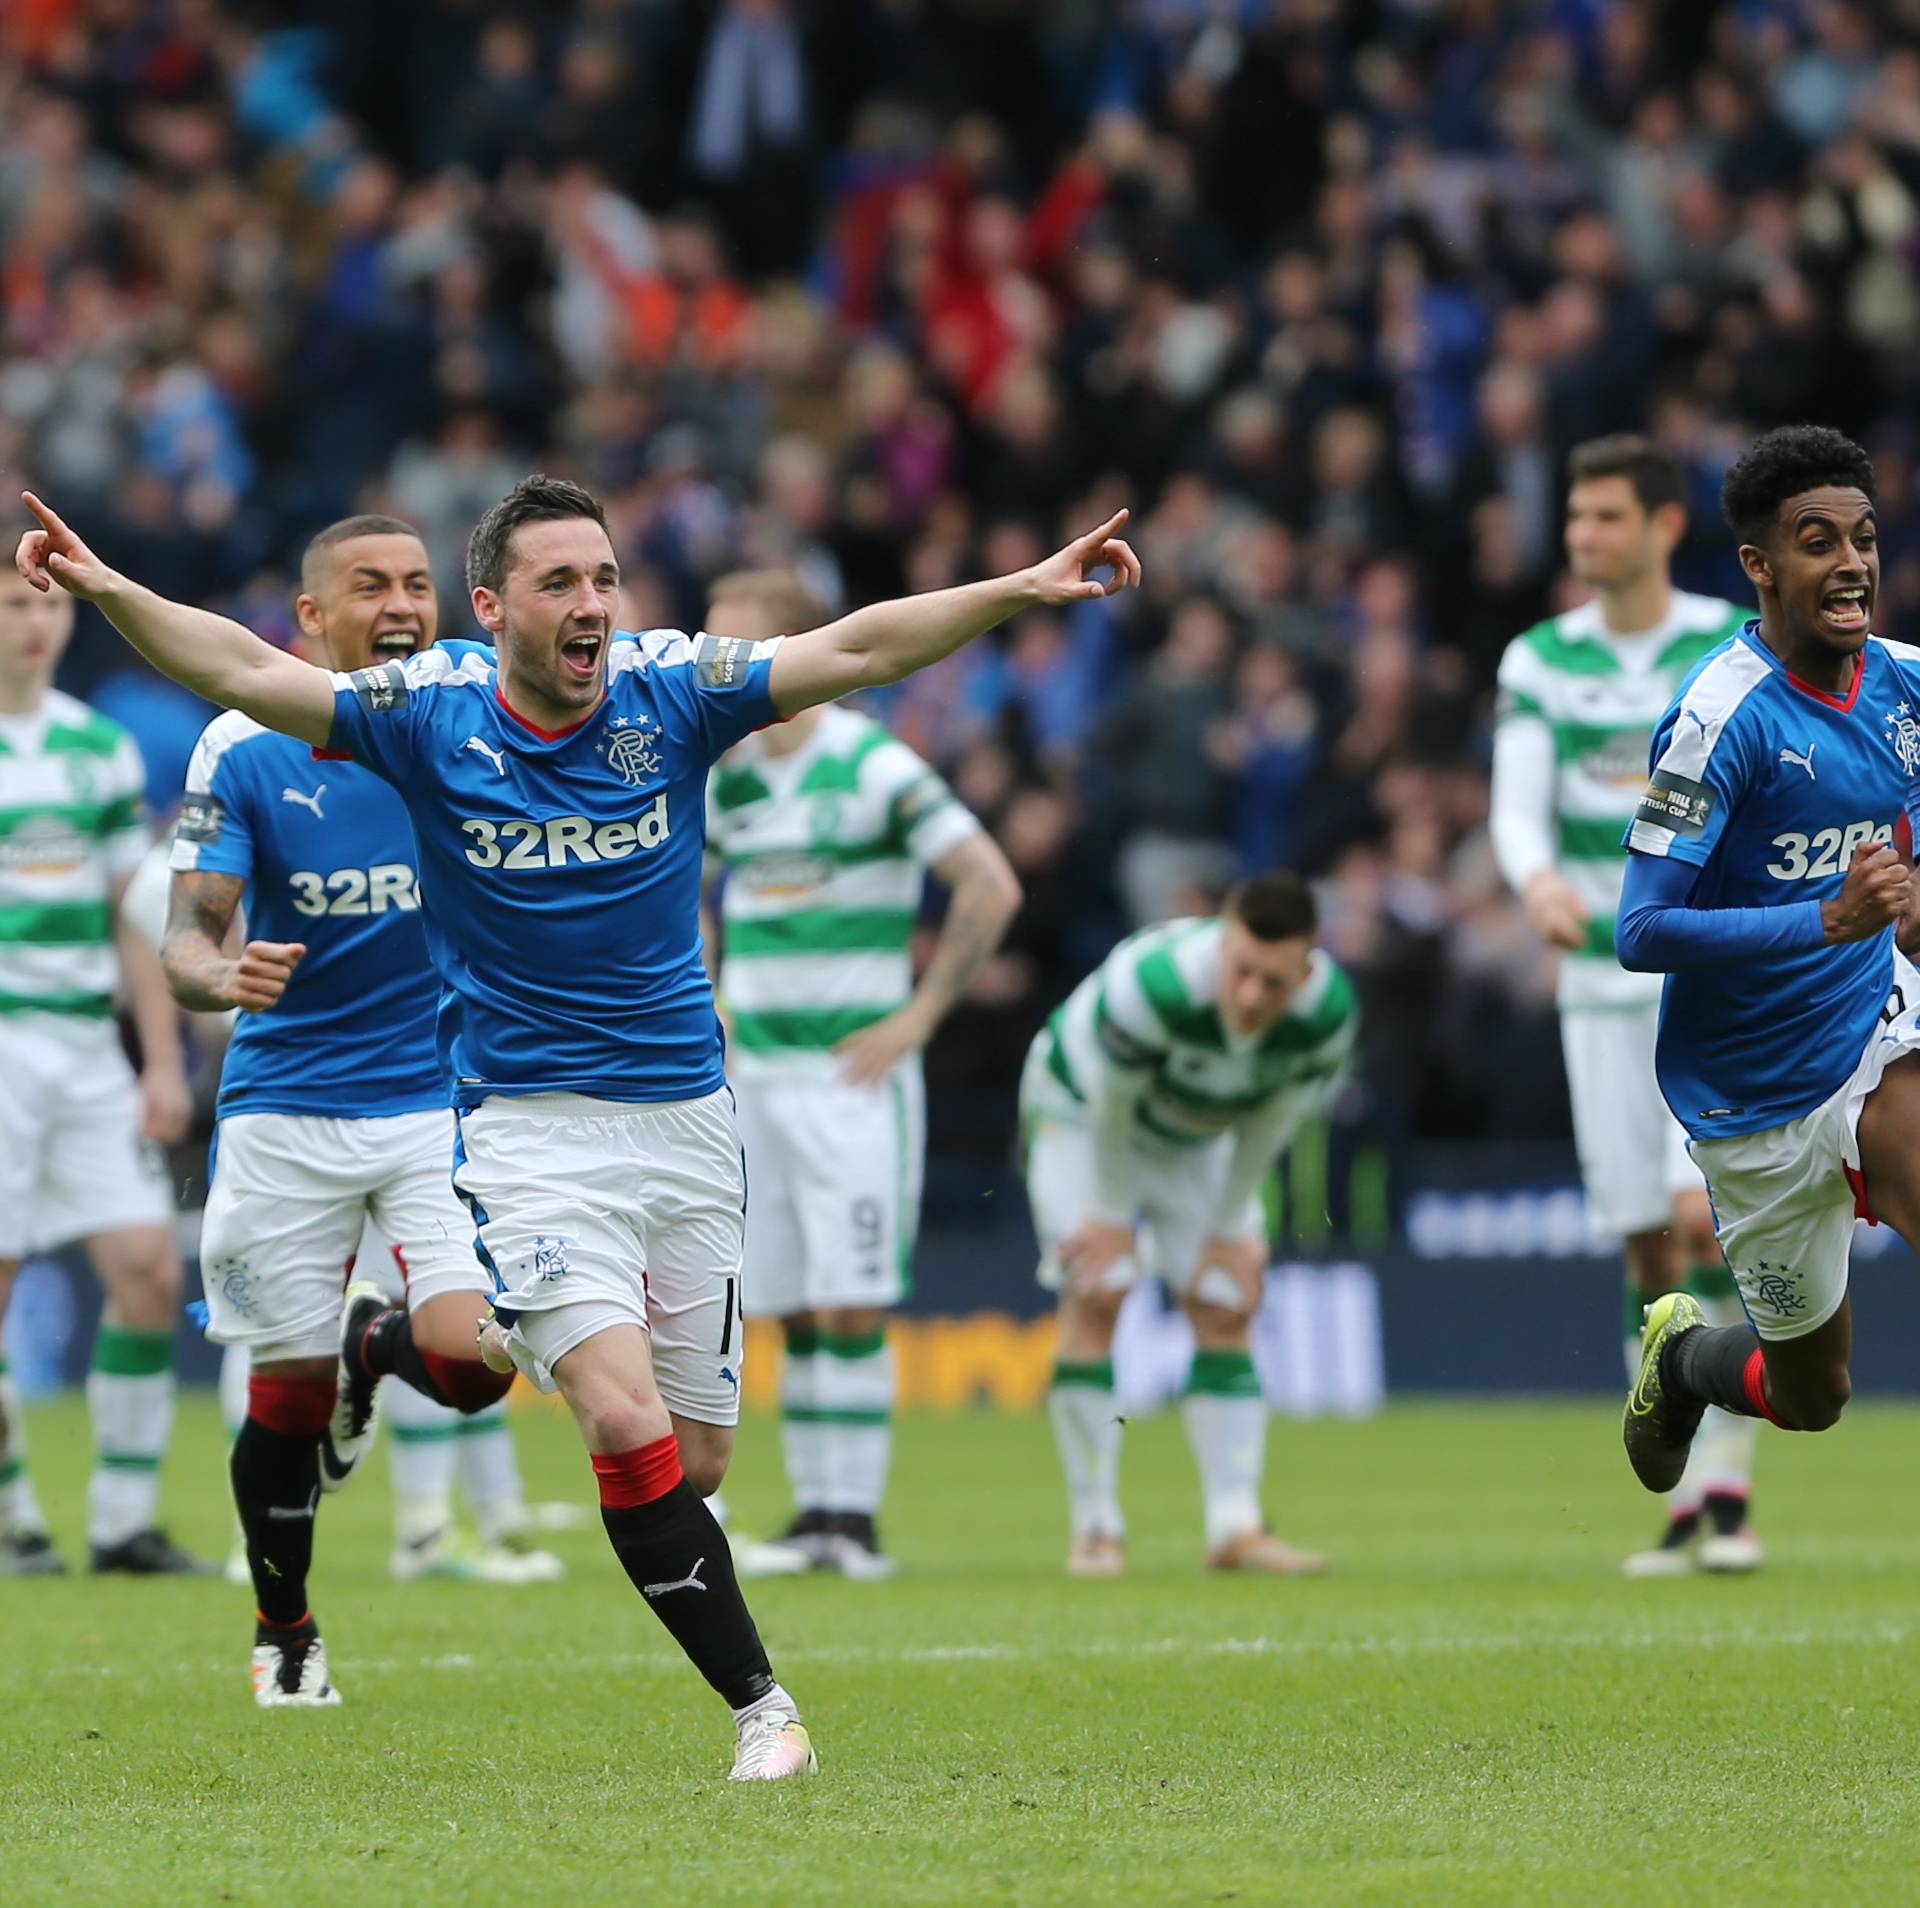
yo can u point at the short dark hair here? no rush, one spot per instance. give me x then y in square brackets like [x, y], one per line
[371, 524]
[1652, 469]
[1783, 464]
[535, 499]
[1273, 907]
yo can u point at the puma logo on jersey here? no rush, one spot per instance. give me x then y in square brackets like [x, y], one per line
[563, 838]
[691, 1581]
[1690, 715]
[1815, 857]
[492, 754]
[306, 801]
[1801, 761]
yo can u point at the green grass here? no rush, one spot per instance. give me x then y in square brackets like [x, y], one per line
[1474, 1708]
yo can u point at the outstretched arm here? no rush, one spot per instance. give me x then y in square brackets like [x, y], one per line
[886, 641]
[212, 655]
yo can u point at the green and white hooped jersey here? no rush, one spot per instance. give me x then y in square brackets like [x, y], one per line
[1154, 1005]
[1601, 696]
[70, 826]
[826, 848]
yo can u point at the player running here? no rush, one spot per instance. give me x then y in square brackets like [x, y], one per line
[557, 793]
[333, 1109]
[1764, 883]
[1154, 1104]
[78, 1133]
[827, 826]
[1579, 695]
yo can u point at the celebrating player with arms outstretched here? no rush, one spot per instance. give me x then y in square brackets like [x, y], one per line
[1155, 1102]
[332, 1108]
[557, 795]
[1579, 695]
[1763, 882]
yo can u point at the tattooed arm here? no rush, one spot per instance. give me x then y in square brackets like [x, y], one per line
[984, 896]
[203, 975]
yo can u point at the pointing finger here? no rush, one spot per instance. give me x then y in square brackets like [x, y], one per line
[1095, 538]
[49, 518]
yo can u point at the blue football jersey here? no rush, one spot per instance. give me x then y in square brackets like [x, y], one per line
[326, 851]
[1768, 785]
[560, 872]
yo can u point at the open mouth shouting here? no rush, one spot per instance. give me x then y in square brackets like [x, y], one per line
[1845, 607]
[580, 655]
[396, 645]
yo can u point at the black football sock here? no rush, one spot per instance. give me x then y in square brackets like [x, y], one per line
[1681, 1531]
[461, 1384]
[668, 1543]
[1728, 1512]
[1715, 1364]
[276, 1489]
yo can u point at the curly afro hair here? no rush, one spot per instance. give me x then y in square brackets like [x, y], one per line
[1782, 464]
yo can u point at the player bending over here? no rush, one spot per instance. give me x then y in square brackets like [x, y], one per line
[1579, 696]
[826, 826]
[557, 795]
[1154, 1103]
[78, 1158]
[1763, 882]
[333, 1109]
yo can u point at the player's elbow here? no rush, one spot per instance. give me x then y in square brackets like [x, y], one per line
[1636, 941]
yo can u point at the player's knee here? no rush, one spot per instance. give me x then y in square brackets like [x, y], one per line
[464, 1383]
[706, 1469]
[852, 1321]
[1816, 1402]
[1218, 1328]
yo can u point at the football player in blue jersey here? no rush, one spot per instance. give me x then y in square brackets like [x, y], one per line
[557, 790]
[1764, 881]
[332, 1105]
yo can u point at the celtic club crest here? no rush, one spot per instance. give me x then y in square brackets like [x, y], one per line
[632, 748]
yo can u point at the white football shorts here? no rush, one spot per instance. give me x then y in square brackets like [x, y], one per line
[292, 1194]
[1783, 1203]
[1176, 1189]
[72, 1161]
[833, 1185]
[1633, 1152]
[595, 1213]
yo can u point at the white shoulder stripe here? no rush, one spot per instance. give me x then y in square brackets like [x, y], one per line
[670, 648]
[1701, 720]
[1899, 652]
[1708, 706]
[224, 732]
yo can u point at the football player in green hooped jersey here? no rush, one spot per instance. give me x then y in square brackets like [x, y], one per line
[827, 827]
[1579, 697]
[1154, 1103]
[77, 1131]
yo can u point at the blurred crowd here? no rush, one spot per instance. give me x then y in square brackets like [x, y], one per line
[899, 291]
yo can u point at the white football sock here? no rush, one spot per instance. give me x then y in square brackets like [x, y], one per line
[19, 1507]
[489, 1469]
[130, 1399]
[421, 1455]
[236, 1375]
[1226, 1420]
[853, 1392]
[1088, 1430]
[802, 1436]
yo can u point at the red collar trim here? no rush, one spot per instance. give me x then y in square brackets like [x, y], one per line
[333, 755]
[1843, 703]
[545, 735]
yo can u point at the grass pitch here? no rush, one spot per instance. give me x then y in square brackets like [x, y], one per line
[1474, 1707]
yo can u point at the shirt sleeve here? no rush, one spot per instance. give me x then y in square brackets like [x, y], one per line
[1701, 766]
[215, 831]
[376, 713]
[923, 814]
[1658, 933]
[729, 683]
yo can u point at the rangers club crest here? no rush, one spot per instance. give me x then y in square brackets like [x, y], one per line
[1904, 733]
[632, 748]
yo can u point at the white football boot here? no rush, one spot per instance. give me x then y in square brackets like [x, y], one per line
[773, 1744]
[292, 1676]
